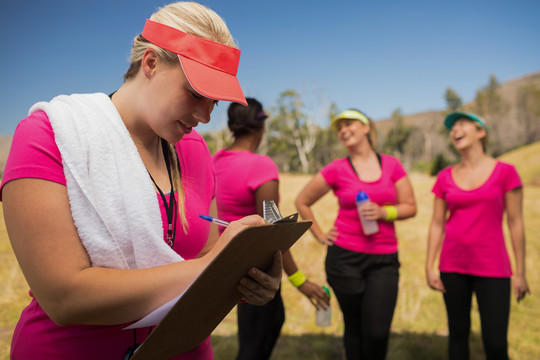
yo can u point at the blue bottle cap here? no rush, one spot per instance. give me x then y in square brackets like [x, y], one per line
[361, 196]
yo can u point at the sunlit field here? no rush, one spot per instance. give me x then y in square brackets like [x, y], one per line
[419, 326]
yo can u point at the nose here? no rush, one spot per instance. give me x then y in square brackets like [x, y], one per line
[204, 109]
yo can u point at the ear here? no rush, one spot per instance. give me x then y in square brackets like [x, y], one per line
[149, 62]
[366, 127]
[481, 132]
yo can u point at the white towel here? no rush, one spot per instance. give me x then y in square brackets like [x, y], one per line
[112, 198]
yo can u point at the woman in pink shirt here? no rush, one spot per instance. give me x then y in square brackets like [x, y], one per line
[244, 180]
[466, 227]
[363, 270]
[86, 179]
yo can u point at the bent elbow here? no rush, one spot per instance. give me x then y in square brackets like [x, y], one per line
[60, 312]
[58, 315]
[299, 203]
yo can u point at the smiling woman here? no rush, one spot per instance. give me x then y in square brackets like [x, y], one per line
[466, 228]
[362, 268]
[101, 198]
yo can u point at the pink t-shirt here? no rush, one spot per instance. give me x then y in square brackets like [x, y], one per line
[343, 180]
[34, 154]
[474, 241]
[238, 175]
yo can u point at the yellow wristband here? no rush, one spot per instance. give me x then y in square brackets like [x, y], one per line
[297, 279]
[391, 212]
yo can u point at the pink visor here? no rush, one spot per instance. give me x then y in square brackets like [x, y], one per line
[210, 67]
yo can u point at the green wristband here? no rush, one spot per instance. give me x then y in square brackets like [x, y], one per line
[391, 212]
[297, 279]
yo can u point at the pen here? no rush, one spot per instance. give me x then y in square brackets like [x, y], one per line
[214, 220]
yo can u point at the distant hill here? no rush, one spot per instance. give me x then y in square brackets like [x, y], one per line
[526, 159]
[513, 125]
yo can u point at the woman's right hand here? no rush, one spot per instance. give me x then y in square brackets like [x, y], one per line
[329, 237]
[434, 281]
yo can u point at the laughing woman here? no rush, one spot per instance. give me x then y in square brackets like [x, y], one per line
[474, 194]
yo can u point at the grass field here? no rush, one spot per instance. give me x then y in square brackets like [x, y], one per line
[419, 326]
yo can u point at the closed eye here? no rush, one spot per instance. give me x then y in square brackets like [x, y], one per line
[198, 96]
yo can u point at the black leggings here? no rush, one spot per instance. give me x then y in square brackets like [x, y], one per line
[259, 328]
[366, 287]
[493, 297]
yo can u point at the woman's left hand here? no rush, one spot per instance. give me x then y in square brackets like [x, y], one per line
[521, 288]
[318, 297]
[372, 211]
[259, 287]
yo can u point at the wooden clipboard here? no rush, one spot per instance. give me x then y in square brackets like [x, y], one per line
[213, 294]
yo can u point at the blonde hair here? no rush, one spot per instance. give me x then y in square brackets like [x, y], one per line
[194, 19]
[484, 140]
[189, 17]
[372, 135]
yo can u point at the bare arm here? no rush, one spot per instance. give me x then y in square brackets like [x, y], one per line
[406, 203]
[514, 212]
[315, 189]
[315, 293]
[435, 238]
[58, 270]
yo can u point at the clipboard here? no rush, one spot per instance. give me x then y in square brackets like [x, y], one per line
[213, 294]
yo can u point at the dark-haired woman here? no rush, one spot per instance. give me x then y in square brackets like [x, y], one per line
[473, 258]
[363, 270]
[244, 180]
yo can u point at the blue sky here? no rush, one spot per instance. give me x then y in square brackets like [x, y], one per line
[374, 55]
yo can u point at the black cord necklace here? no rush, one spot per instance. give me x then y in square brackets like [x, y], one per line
[171, 208]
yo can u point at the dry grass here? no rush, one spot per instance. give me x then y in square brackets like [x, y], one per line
[419, 326]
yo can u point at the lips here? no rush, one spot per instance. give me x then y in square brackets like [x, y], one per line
[187, 128]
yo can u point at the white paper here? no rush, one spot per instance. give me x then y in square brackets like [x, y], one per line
[155, 316]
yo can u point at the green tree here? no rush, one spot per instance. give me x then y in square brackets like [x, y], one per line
[327, 146]
[398, 135]
[490, 105]
[528, 112]
[290, 127]
[453, 101]
[439, 162]
[217, 140]
[488, 100]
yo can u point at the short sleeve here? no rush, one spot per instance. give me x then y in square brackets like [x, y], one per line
[329, 173]
[512, 179]
[263, 171]
[438, 187]
[34, 153]
[398, 171]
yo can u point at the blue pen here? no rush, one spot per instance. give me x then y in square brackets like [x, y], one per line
[214, 220]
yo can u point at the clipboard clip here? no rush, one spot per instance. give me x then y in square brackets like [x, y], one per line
[272, 215]
[287, 219]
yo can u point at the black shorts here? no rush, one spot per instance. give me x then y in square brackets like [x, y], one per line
[346, 270]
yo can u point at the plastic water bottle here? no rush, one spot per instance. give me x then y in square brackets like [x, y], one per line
[324, 316]
[369, 226]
